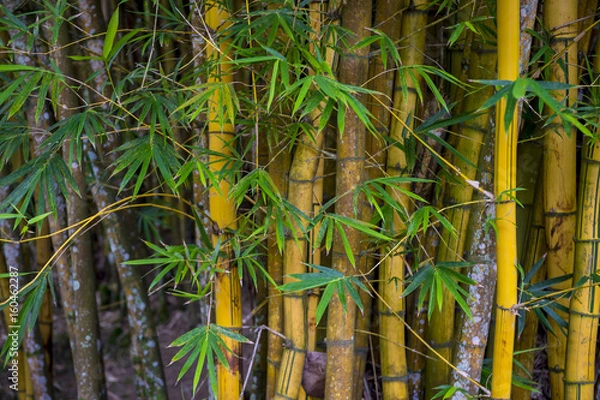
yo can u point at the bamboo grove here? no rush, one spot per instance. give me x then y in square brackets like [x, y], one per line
[378, 199]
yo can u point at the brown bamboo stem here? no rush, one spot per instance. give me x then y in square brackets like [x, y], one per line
[349, 174]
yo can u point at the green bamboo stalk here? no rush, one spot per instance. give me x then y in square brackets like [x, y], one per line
[302, 173]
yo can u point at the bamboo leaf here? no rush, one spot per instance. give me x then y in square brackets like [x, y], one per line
[324, 301]
[111, 32]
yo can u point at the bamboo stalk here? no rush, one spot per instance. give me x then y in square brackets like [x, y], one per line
[559, 175]
[34, 371]
[585, 302]
[531, 240]
[89, 368]
[473, 332]
[277, 170]
[504, 183]
[388, 18]
[222, 208]
[302, 173]
[392, 348]
[535, 248]
[145, 355]
[349, 174]
[458, 195]
[317, 18]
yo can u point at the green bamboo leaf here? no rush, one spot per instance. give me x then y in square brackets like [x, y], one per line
[349, 287]
[111, 33]
[18, 68]
[187, 337]
[24, 93]
[38, 218]
[347, 247]
[272, 86]
[83, 58]
[437, 291]
[341, 119]
[306, 83]
[454, 290]
[195, 352]
[519, 88]
[230, 334]
[324, 301]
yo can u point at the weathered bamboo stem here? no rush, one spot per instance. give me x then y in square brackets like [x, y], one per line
[356, 16]
[473, 332]
[145, 352]
[89, 368]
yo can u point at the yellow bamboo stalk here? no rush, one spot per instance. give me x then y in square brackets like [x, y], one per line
[222, 208]
[458, 194]
[585, 302]
[388, 18]
[533, 250]
[314, 257]
[302, 173]
[303, 170]
[559, 175]
[394, 368]
[505, 181]
[277, 170]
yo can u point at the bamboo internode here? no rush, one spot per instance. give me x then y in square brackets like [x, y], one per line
[505, 182]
